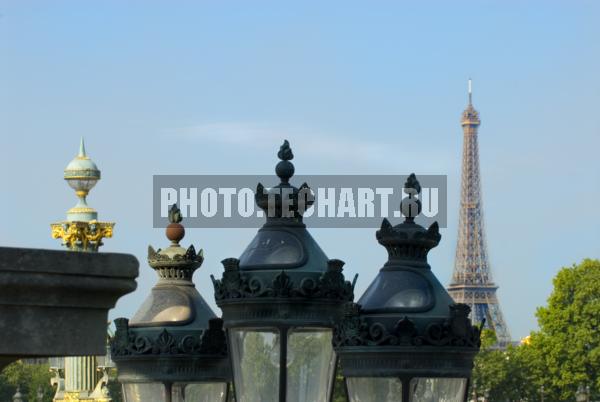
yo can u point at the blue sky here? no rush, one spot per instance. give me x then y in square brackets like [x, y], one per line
[187, 87]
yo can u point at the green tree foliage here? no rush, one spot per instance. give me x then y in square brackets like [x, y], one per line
[561, 356]
[307, 365]
[339, 388]
[29, 377]
[498, 373]
[260, 363]
[565, 352]
[115, 389]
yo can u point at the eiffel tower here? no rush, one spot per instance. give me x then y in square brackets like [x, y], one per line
[472, 281]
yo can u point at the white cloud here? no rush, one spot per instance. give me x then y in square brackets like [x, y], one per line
[389, 157]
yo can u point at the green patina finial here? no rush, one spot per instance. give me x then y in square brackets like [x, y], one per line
[285, 152]
[175, 214]
[413, 183]
[411, 206]
[285, 168]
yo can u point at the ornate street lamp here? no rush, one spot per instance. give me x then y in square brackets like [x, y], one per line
[174, 348]
[280, 301]
[406, 339]
[82, 232]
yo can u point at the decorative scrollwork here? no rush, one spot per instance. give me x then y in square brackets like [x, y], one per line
[379, 335]
[352, 330]
[237, 285]
[456, 331]
[82, 236]
[140, 345]
[190, 345]
[128, 342]
[178, 266]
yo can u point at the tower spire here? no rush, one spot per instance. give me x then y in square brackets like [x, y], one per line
[472, 281]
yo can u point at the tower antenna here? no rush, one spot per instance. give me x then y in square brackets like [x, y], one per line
[470, 91]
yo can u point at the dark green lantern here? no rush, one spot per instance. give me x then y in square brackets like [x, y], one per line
[281, 300]
[406, 340]
[174, 348]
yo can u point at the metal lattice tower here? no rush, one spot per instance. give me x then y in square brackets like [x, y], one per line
[472, 281]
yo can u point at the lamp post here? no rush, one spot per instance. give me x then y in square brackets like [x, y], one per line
[406, 339]
[582, 394]
[542, 392]
[174, 348]
[280, 301]
[474, 393]
[81, 232]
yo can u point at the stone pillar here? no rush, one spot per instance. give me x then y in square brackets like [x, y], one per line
[80, 374]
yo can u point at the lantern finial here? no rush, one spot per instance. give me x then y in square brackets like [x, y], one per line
[175, 262]
[408, 243]
[284, 203]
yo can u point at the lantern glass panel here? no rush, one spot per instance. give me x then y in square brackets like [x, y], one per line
[438, 389]
[255, 356]
[144, 392]
[311, 364]
[200, 392]
[374, 389]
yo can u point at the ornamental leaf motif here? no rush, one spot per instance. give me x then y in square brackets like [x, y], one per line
[282, 285]
[350, 332]
[406, 331]
[165, 343]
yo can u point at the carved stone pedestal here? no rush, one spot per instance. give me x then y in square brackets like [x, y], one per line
[43, 293]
